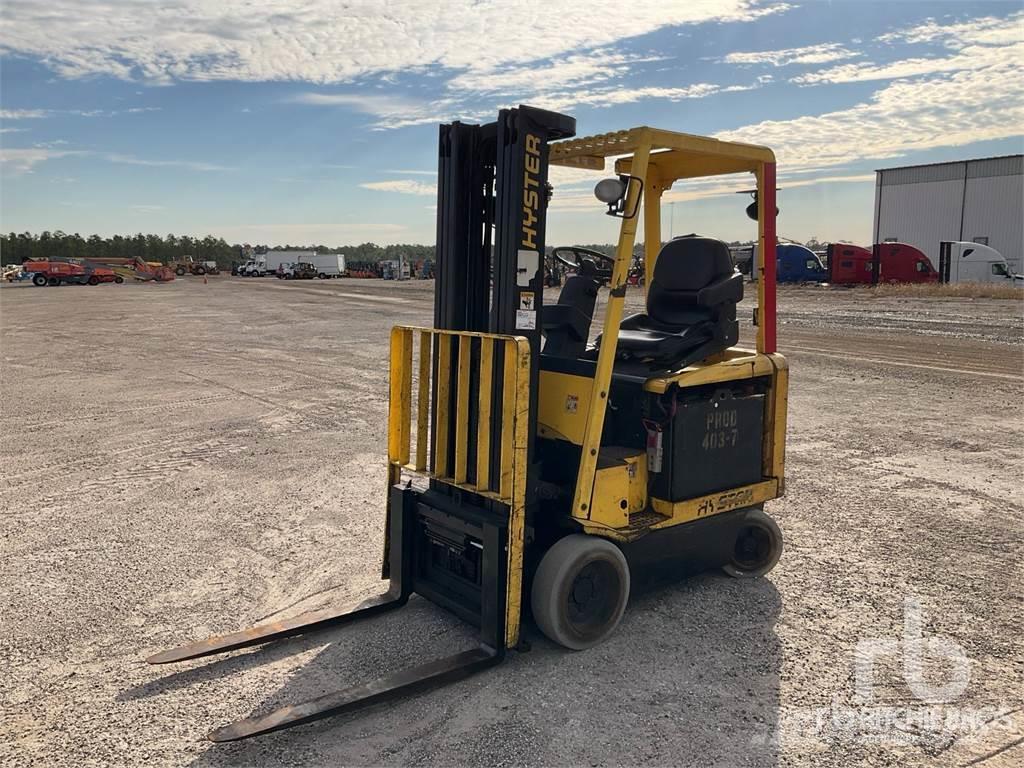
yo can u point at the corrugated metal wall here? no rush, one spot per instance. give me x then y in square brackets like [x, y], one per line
[923, 205]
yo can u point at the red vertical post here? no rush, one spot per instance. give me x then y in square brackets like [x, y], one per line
[767, 213]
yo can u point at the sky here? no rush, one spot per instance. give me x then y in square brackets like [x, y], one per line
[284, 122]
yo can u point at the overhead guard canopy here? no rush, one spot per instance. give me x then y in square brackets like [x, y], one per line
[674, 155]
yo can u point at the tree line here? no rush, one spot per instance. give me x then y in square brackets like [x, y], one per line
[16, 247]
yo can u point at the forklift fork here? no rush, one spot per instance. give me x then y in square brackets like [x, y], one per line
[402, 683]
[278, 630]
[402, 517]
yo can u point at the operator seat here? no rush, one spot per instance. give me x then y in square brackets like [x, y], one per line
[566, 324]
[691, 307]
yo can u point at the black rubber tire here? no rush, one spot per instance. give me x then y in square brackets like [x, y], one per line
[39, 280]
[322, 276]
[758, 546]
[53, 281]
[180, 271]
[93, 280]
[580, 562]
[118, 279]
[200, 271]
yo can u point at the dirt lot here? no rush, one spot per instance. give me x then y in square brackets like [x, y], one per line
[190, 458]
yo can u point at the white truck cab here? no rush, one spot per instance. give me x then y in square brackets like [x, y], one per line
[253, 268]
[962, 262]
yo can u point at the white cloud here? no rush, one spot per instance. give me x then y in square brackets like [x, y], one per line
[402, 186]
[986, 30]
[809, 54]
[36, 114]
[974, 57]
[569, 71]
[13, 130]
[324, 41]
[406, 172]
[190, 164]
[607, 97]
[905, 116]
[23, 114]
[390, 111]
[17, 161]
[20, 161]
[398, 112]
[976, 93]
[980, 44]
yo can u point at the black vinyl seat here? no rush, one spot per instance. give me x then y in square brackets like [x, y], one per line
[691, 307]
[566, 325]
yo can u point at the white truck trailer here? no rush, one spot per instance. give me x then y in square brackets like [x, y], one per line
[327, 264]
[964, 262]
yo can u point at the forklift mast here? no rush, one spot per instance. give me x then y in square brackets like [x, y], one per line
[492, 197]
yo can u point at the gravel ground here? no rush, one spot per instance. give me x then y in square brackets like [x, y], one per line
[190, 458]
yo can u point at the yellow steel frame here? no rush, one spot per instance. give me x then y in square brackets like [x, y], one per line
[660, 158]
[511, 413]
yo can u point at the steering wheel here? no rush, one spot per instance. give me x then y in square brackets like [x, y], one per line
[585, 261]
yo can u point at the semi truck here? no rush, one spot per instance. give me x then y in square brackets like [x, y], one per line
[272, 262]
[798, 264]
[794, 263]
[896, 263]
[963, 262]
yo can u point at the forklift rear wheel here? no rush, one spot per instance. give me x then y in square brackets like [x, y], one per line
[758, 546]
[39, 280]
[580, 591]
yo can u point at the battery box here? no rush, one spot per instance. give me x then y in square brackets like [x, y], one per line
[707, 445]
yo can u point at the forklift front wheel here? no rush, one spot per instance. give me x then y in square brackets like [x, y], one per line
[757, 548]
[580, 591]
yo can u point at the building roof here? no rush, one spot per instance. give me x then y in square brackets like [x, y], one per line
[950, 162]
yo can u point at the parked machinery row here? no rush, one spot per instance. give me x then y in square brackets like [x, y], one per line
[847, 264]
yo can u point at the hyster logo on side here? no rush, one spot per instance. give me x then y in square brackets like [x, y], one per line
[531, 191]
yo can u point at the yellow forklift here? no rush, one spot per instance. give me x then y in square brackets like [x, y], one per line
[535, 466]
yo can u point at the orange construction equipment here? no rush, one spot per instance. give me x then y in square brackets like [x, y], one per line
[73, 272]
[136, 268]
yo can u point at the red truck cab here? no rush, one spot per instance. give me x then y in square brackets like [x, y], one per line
[896, 263]
[902, 263]
[849, 264]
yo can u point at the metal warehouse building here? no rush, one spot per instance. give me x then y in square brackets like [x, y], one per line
[974, 200]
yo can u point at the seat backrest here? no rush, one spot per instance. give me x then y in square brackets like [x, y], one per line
[685, 265]
[579, 291]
